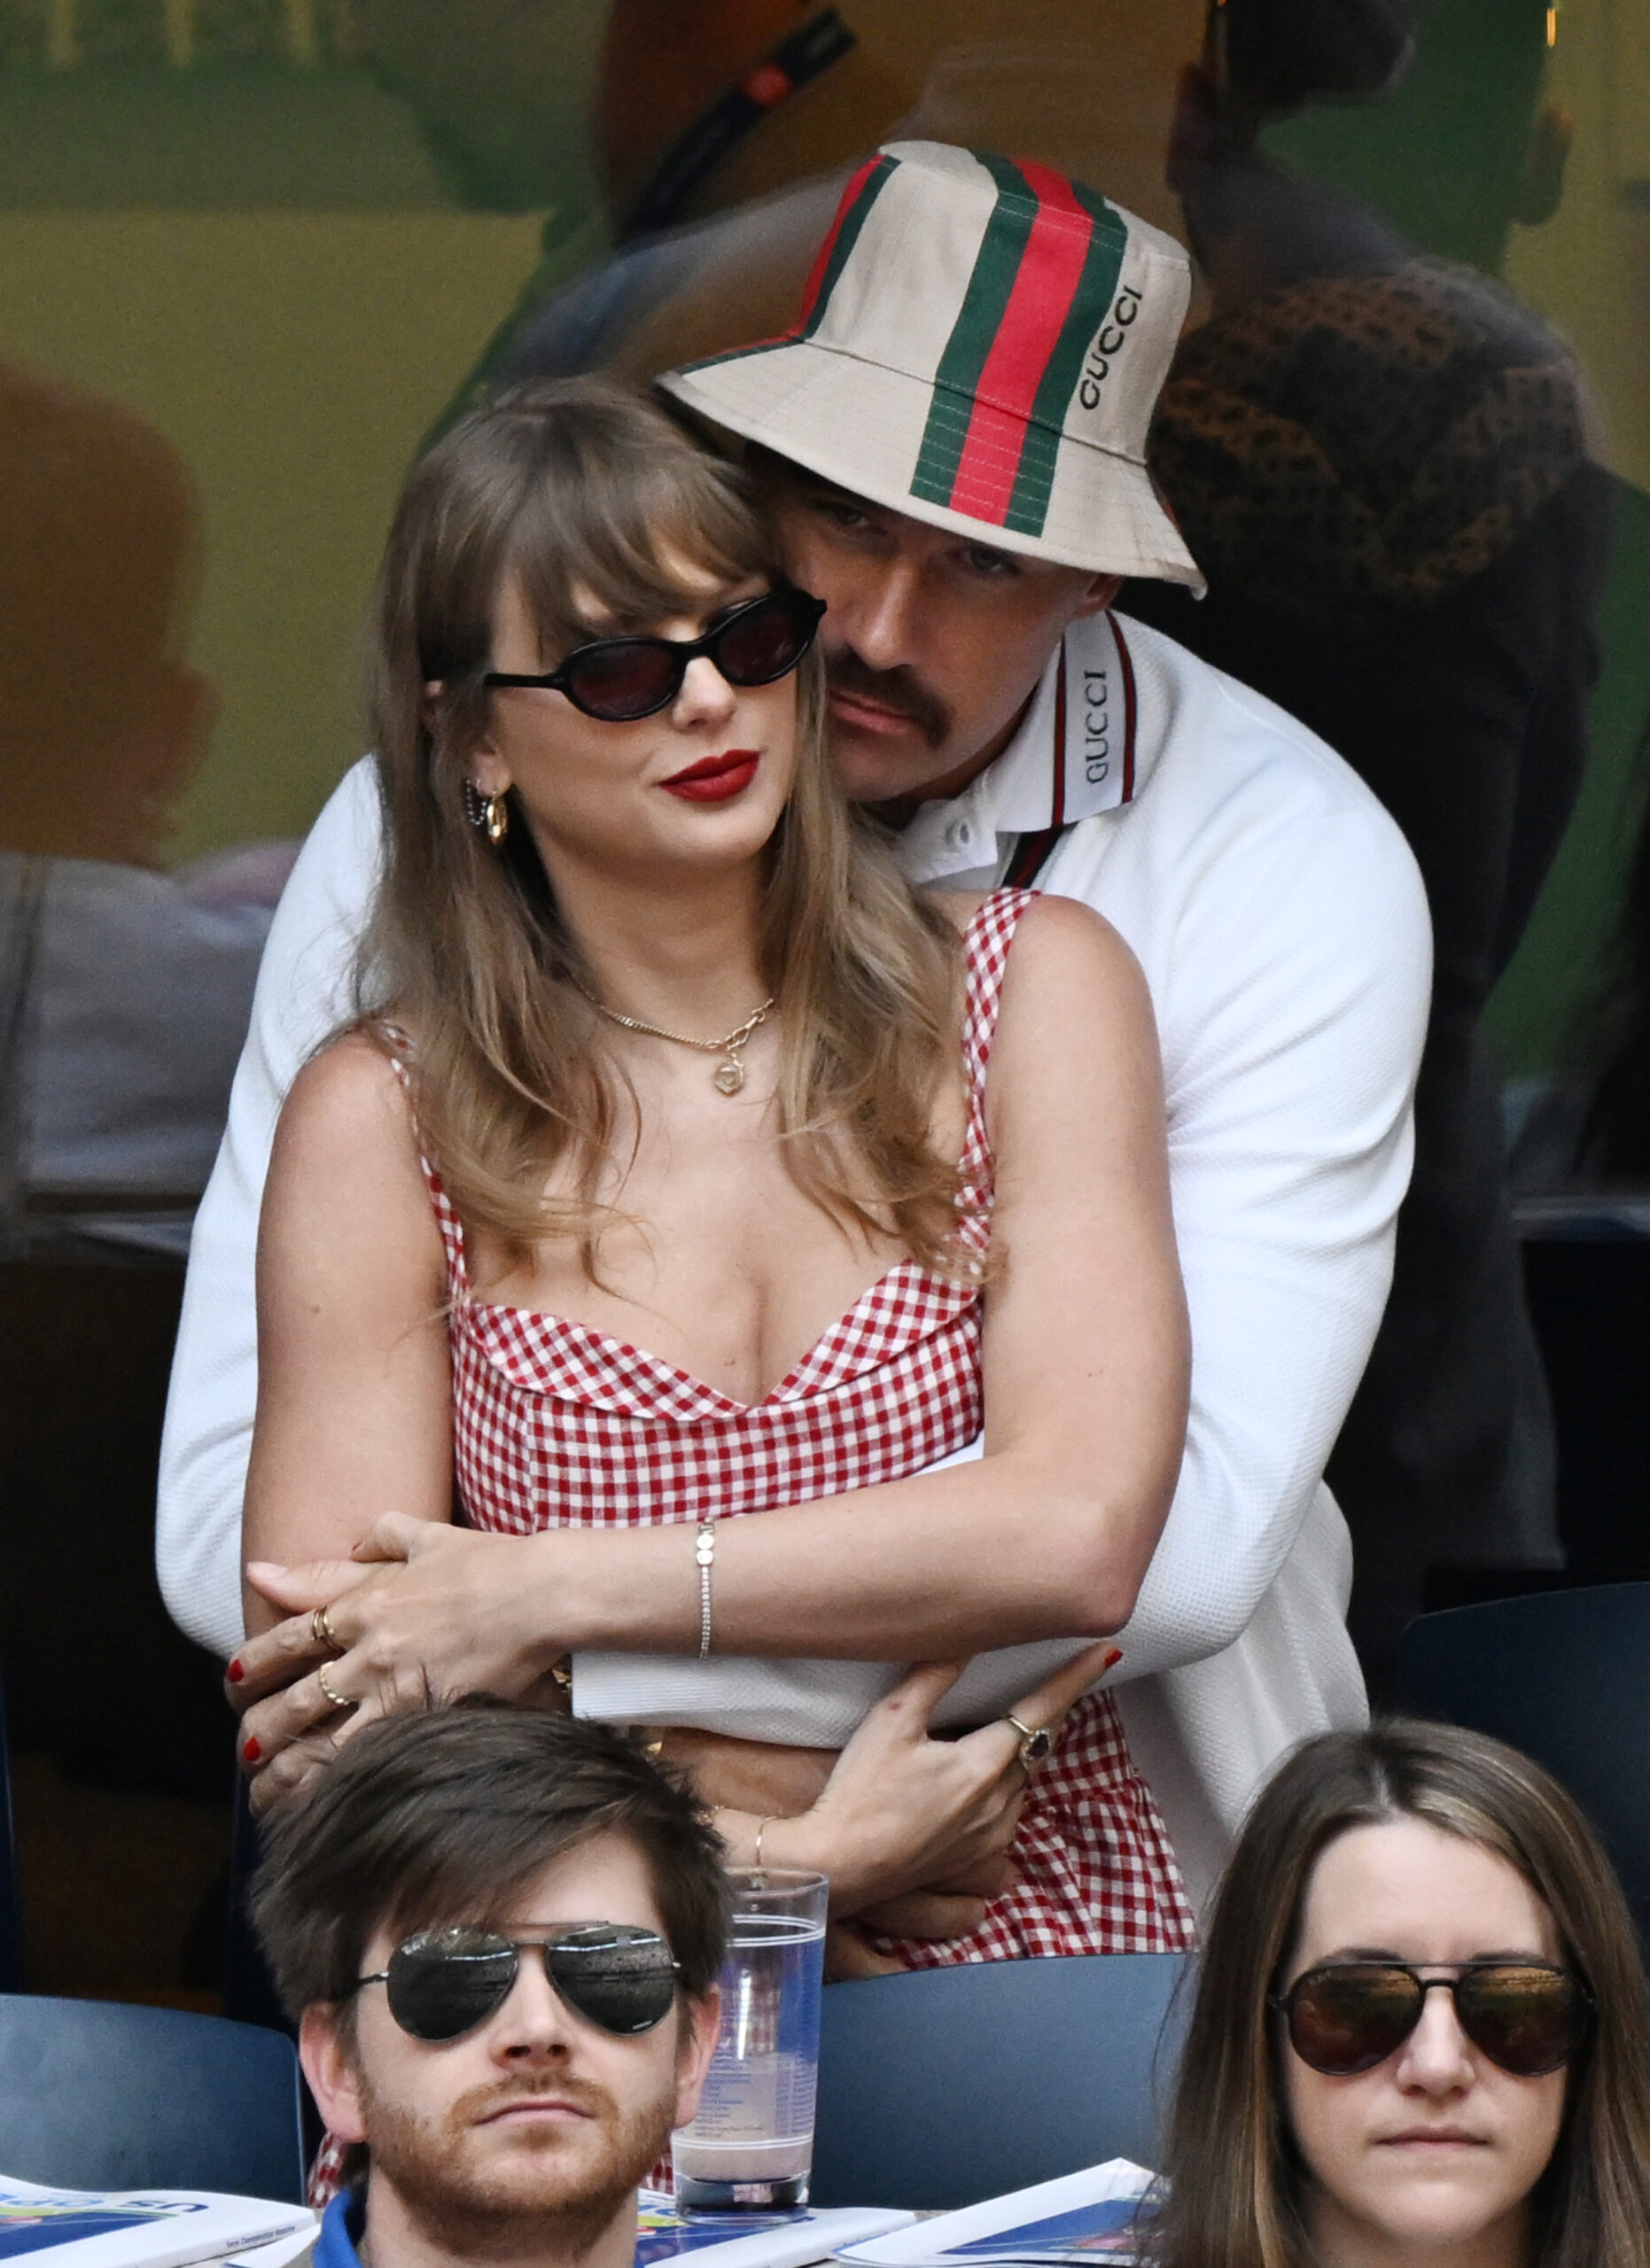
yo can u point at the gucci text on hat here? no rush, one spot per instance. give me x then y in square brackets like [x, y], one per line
[980, 345]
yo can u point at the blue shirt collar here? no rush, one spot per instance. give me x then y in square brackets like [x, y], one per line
[342, 2227]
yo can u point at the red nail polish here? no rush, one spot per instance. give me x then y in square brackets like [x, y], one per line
[235, 1673]
[252, 1751]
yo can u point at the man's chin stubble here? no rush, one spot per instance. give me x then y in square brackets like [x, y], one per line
[537, 2203]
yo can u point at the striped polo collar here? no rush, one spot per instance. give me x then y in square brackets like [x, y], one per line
[1082, 749]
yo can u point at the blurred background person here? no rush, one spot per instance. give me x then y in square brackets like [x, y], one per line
[124, 990]
[720, 131]
[124, 995]
[1383, 461]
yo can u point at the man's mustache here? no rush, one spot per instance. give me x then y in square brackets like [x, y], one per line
[484, 2102]
[900, 690]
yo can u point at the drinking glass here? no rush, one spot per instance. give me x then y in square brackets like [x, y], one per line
[752, 2144]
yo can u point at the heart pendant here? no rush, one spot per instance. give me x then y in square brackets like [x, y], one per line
[730, 1077]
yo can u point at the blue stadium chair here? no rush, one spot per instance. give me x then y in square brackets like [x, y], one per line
[97, 2095]
[945, 2085]
[10, 1913]
[1565, 1676]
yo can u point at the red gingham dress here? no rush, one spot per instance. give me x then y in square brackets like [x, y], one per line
[556, 1425]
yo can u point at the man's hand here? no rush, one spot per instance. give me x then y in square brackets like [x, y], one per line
[920, 1829]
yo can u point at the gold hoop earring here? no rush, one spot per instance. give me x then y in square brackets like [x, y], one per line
[489, 815]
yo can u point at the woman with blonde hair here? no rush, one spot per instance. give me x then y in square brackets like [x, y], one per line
[1421, 2033]
[685, 1163]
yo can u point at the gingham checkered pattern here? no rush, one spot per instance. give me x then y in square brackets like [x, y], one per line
[1097, 1873]
[556, 1425]
[559, 1425]
[326, 2172]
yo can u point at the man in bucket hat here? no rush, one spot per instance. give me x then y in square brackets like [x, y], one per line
[954, 427]
[980, 345]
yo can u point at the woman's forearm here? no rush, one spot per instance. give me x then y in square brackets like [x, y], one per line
[992, 1553]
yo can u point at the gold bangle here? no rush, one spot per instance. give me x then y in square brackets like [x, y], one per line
[718, 1811]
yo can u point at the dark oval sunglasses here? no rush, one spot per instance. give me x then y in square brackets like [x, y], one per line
[1527, 2017]
[619, 680]
[443, 1983]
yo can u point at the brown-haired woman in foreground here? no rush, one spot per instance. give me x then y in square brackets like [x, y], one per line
[533, 1221]
[1421, 2033]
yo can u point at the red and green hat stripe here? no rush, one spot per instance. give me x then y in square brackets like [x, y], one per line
[833, 256]
[1044, 274]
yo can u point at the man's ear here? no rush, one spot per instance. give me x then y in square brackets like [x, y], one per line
[1099, 595]
[694, 2051]
[330, 2069]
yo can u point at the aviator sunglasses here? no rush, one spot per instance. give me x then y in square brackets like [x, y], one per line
[619, 680]
[443, 1983]
[1527, 2017]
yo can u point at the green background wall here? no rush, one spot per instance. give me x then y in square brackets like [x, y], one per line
[263, 261]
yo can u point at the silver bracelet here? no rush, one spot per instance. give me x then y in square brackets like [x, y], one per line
[705, 1554]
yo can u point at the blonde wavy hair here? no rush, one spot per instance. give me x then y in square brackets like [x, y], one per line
[591, 497]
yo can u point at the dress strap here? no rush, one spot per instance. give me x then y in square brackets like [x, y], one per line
[398, 1045]
[985, 951]
[985, 946]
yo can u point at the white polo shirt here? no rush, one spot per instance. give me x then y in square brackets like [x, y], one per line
[1282, 928]
[1282, 925]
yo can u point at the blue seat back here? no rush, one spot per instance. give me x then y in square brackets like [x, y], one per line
[1565, 1676]
[97, 2095]
[943, 2085]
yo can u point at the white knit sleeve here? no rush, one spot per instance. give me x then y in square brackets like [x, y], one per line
[1292, 1018]
[303, 993]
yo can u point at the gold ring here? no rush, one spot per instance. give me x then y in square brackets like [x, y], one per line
[1037, 1743]
[321, 1630]
[338, 1700]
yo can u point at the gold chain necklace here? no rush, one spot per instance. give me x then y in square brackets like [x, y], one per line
[728, 1075]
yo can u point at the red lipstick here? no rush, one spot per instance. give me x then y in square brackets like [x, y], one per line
[715, 779]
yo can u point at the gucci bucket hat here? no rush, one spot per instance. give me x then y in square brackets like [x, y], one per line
[980, 345]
